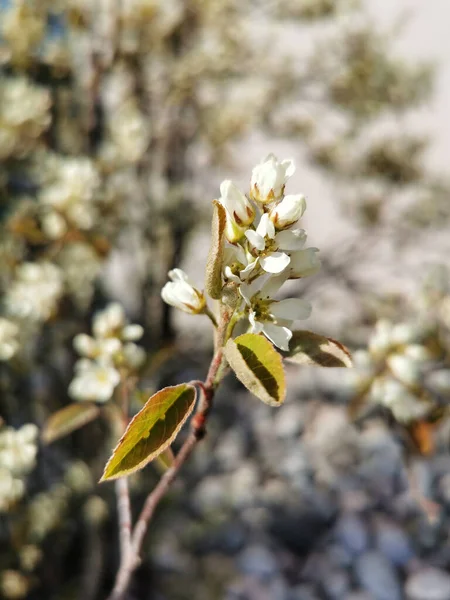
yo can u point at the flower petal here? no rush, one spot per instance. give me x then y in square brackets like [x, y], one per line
[275, 262]
[291, 239]
[272, 285]
[255, 239]
[291, 308]
[256, 326]
[266, 227]
[279, 336]
[289, 167]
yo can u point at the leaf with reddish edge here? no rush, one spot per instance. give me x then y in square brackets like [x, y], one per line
[151, 431]
[308, 348]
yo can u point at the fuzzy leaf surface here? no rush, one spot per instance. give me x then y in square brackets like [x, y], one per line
[68, 419]
[258, 366]
[308, 348]
[213, 278]
[151, 431]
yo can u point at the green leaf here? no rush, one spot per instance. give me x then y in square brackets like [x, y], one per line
[258, 366]
[213, 277]
[151, 431]
[166, 459]
[308, 348]
[68, 419]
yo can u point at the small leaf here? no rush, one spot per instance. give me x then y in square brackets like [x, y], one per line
[213, 277]
[166, 459]
[258, 366]
[308, 348]
[68, 419]
[151, 431]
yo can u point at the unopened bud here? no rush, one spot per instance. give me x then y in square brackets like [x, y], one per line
[181, 294]
[269, 179]
[236, 204]
[288, 211]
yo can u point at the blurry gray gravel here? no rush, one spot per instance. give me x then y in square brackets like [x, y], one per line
[297, 504]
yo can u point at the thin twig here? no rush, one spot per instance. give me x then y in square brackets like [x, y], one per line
[124, 513]
[130, 561]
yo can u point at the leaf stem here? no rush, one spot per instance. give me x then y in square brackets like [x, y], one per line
[211, 316]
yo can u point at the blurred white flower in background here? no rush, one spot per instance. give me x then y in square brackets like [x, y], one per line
[9, 339]
[36, 291]
[24, 115]
[70, 193]
[110, 349]
[93, 381]
[18, 452]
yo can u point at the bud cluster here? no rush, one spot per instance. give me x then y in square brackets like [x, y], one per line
[110, 351]
[263, 249]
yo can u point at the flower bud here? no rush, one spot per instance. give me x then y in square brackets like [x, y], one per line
[236, 204]
[288, 211]
[181, 294]
[269, 179]
[233, 232]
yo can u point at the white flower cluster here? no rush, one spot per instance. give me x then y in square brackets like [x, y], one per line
[110, 350]
[24, 115]
[392, 368]
[17, 458]
[35, 292]
[69, 196]
[264, 250]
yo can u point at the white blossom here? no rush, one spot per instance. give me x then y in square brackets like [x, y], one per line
[181, 294]
[109, 322]
[54, 225]
[132, 333]
[35, 292]
[93, 381]
[271, 317]
[404, 368]
[134, 355]
[381, 340]
[271, 245]
[71, 191]
[236, 263]
[401, 402]
[111, 346]
[11, 489]
[288, 211]
[9, 342]
[269, 179]
[18, 448]
[91, 347]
